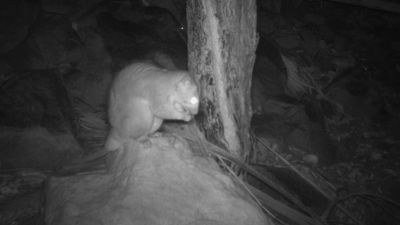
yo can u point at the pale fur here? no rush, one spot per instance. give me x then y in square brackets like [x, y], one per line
[142, 96]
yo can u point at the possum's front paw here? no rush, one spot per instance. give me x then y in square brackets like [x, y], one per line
[157, 134]
[144, 141]
[174, 140]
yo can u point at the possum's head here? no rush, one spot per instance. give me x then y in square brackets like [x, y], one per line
[186, 99]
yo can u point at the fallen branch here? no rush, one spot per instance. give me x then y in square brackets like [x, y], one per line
[373, 4]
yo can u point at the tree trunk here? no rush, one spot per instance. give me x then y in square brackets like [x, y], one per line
[222, 43]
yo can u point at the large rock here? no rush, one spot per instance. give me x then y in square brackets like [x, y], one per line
[157, 183]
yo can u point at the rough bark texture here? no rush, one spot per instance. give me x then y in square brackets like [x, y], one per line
[222, 41]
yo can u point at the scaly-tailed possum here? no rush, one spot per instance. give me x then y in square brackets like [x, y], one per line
[142, 96]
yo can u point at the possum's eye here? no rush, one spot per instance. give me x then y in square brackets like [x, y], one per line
[194, 100]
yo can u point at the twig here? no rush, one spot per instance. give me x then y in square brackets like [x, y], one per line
[373, 4]
[294, 169]
[240, 181]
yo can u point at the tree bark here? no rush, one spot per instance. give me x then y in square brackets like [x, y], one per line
[222, 42]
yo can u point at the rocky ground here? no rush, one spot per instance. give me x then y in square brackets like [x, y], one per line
[325, 97]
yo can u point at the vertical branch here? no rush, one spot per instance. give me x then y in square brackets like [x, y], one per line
[222, 42]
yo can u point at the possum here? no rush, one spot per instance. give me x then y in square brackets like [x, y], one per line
[142, 96]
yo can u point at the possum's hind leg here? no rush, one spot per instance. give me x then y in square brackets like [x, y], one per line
[156, 123]
[135, 122]
[113, 141]
[139, 121]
